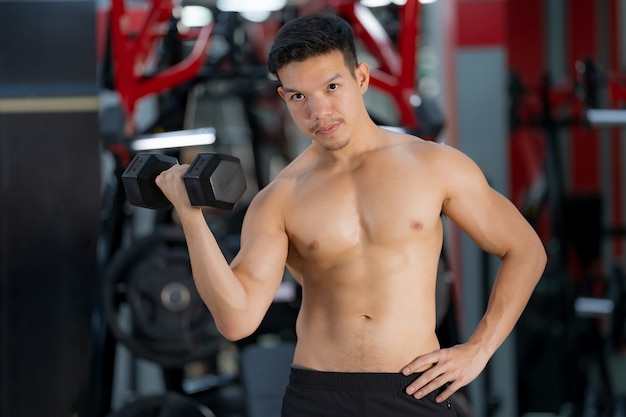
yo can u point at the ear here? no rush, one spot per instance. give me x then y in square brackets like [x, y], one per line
[281, 92]
[362, 74]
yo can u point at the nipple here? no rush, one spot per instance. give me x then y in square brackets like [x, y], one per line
[416, 225]
[313, 245]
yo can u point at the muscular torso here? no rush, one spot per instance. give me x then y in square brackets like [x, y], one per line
[365, 240]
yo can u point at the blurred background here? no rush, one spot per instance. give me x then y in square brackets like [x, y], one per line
[98, 312]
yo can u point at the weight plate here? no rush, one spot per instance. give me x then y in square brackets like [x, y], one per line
[152, 305]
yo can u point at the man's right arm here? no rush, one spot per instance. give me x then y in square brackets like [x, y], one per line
[238, 295]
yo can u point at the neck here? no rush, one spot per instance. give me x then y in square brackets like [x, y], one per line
[363, 140]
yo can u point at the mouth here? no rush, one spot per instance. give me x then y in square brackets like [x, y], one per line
[326, 130]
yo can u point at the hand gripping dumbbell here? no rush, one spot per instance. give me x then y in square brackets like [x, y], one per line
[212, 180]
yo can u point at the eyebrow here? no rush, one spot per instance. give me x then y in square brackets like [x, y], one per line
[328, 81]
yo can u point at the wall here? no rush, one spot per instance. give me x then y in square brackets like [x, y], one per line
[50, 194]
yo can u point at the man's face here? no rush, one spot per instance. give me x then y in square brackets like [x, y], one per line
[324, 97]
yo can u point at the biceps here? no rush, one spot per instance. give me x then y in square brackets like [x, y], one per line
[491, 220]
[260, 262]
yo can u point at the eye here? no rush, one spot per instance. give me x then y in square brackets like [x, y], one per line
[297, 97]
[333, 87]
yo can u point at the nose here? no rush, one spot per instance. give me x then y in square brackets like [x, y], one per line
[319, 107]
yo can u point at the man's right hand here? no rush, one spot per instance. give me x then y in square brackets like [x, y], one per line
[171, 183]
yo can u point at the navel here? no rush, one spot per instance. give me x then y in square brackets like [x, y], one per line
[313, 245]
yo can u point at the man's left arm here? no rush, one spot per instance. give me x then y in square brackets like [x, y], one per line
[496, 225]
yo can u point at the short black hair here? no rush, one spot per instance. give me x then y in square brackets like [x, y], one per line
[309, 36]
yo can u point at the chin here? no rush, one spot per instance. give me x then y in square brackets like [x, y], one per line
[336, 146]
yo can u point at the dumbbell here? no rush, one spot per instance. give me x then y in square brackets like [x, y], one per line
[212, 180]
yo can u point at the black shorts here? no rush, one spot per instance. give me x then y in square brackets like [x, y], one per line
[339, 394]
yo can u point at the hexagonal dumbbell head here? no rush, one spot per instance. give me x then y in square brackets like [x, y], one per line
[215, 180]
[138, 180]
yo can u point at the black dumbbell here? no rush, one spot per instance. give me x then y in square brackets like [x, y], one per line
[212, 180]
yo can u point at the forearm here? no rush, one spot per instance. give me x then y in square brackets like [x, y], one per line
[220, 289]
[514, 284]
[458, 365]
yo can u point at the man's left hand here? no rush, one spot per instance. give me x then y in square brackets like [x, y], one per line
[458, 365]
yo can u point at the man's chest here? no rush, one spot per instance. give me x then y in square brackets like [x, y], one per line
[336, 213]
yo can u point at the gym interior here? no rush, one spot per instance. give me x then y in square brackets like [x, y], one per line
[99, 316]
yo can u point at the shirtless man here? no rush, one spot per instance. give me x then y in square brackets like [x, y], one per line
[356, 218]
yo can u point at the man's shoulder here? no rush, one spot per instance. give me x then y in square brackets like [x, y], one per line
[443, 162]
[416, 148]
[283, 183]
[434, 151]
[294, 170]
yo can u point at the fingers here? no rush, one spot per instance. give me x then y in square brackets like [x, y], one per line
[450, 369]
[419, 391]
[443, 373]
[172, 184]
[175, 172]
[446, 393]
[431, 380]
[422, 362]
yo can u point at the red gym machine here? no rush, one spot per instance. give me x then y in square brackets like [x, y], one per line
[134, 55]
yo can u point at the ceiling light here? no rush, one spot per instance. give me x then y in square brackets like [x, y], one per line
[177, 139]
[382, 3]
[250, 5]
[256, 16]
[196, 16]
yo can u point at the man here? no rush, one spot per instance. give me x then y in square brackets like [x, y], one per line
[356, 218]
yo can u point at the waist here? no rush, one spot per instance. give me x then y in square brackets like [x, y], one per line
[350, 381]
[362, 347]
